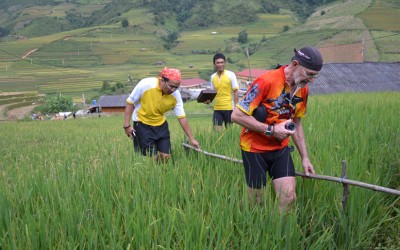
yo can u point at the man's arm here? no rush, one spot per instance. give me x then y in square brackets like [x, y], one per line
[236, 96]
[127, 119]
[185, 126]
[249, 122]
[211, 88]
[300, 142]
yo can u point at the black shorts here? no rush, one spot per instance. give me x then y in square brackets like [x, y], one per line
[222, 116]
[278, 163]
[152, 139]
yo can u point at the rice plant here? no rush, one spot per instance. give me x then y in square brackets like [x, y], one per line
[78, 184]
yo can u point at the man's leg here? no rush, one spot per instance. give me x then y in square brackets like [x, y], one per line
[284, 180]
[285, 189]
[145, 139]
[227, 117]
[255, 173]
[163, 143]
[218, 120]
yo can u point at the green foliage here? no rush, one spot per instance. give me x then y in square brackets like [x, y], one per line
[87, 188]
[285, 28]
[4, 31]
[270, 6]
[108, 89]
[189, 14]
[60, 103]
[106, 86]
[242, 36]
[170, 39]
[45, 26]
[5, 4]
[124, 23]
[75, 19]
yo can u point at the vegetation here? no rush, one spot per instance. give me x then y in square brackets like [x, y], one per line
[57, 104]
[87, 189]
[243, 36]
[190, 13]
[74, 62]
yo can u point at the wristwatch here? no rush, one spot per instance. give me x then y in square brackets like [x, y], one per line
[125, 127]
[269, 131]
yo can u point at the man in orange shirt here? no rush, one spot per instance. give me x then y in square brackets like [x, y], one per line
[273, 102]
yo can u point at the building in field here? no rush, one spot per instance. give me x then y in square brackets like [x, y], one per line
[191, 88]
[357, 77]
[246, 77]
[112, 103]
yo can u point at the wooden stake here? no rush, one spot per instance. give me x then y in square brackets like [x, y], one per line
[346, 190]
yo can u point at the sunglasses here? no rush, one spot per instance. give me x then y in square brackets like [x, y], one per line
[309, 75]
[170, 87]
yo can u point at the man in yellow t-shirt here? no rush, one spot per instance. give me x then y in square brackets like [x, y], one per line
[146, 105]
[226, 85]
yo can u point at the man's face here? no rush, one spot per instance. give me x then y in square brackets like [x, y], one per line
[303, 76]
[219, 64]
[170, 86]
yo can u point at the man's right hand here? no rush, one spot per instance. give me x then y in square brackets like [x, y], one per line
[280, 132]
[207, 102]
[129, 131]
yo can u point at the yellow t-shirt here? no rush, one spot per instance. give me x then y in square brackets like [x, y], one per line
[224, 85]
[150, 103]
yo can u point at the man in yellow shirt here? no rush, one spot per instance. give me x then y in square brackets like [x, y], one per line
[146, 105]
[226, 85]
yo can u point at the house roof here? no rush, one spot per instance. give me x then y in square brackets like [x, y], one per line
[193, 82]
[254, 73]
[357, 77]
[112, 101]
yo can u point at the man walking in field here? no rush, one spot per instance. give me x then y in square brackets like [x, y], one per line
[272, 102]
[146, 105]
[226, 85]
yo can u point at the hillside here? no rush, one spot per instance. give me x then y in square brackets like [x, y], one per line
[79, 61]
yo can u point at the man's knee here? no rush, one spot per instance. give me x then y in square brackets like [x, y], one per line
[163, 157]
[285, 189]
[289, 196]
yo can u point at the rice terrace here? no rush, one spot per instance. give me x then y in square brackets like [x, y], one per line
[77, 183]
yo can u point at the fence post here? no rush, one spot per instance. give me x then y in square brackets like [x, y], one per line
[346, 190]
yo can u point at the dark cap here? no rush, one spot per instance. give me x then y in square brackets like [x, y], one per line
[309, 57]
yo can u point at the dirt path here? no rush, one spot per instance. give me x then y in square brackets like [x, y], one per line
[19, 113]
[15, 114]
[29, 52]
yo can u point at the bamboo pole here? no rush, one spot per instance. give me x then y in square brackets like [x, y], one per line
[342, 180]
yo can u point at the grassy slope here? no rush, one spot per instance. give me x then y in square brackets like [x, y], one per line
[78, 61]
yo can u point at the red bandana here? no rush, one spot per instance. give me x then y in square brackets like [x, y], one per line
[171, 74]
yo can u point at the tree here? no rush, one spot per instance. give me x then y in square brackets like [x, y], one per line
[59, 103]
[124, 23]
[242, 36]
[4, 32]
[170, 39]
[285, 28]
[269, 6]
[106, 86]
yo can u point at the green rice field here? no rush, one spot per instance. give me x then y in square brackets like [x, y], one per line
[77, 184]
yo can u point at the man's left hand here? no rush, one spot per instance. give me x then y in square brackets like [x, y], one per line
[308, 167]
[195, 143]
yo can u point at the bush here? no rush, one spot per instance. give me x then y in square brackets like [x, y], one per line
[124, 23]
[59, 103]
[242, 36]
